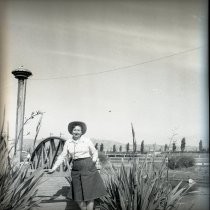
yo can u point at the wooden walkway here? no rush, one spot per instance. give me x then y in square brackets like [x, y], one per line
[53, 193]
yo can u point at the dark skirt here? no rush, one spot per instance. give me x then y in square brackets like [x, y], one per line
[87, 183]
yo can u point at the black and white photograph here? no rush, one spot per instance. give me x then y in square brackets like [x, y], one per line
[104, 105]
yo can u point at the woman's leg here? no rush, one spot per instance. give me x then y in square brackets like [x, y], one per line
[90, 205]
[82, 205]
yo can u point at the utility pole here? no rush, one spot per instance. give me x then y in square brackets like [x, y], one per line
[22, 75]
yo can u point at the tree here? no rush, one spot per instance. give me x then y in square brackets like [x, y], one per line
[120, 148]
[183, 143]
[134, 139]
[142, 147]
[102, 147]
[200, 146]
[134, 147]
[127, 147]
[174, 147]
[114, 148]
[96, 146]
[165, 147]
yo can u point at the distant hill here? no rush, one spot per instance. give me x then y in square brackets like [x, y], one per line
[108, 145]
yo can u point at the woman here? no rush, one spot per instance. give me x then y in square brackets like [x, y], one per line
[87, 183]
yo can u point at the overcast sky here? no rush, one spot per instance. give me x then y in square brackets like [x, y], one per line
[110, 63]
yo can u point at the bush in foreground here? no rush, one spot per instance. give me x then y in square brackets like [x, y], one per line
[140, 187]
[17, 189]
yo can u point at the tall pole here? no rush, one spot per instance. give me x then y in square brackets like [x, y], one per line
[22, 75]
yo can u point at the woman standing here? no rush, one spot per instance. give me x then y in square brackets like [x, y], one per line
[87, 184]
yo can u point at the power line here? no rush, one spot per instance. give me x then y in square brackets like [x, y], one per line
[121, 68]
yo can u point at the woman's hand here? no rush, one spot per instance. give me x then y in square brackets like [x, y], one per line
[97, 164]
[49, 171]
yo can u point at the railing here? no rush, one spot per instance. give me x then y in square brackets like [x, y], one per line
[46, 154]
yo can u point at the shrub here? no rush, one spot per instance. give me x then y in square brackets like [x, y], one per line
[181, 162]
[17, 189]
[102, 157]
[140, 187]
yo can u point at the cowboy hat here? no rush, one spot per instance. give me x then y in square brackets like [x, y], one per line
[75, 123]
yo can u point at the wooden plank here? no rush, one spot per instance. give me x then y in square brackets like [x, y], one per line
[34, 162]
[55, 154]
[55, 174]
[55, 151]
[49, 156]
[46, 159]
[52, 143]
[42, 155]
[38, 154]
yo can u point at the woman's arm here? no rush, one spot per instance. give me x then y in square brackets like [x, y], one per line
[93, 150]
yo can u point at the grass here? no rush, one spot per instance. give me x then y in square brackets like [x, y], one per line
[197, 173]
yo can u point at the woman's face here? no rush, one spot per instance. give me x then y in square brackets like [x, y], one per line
[77, 132]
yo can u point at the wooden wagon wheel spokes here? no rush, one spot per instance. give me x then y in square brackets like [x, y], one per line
[46, 153]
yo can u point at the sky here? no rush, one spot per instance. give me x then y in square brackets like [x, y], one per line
[110, 64]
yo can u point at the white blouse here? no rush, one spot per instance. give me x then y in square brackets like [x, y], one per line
[82, 148]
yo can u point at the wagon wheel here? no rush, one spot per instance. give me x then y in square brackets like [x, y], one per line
[46, 154]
